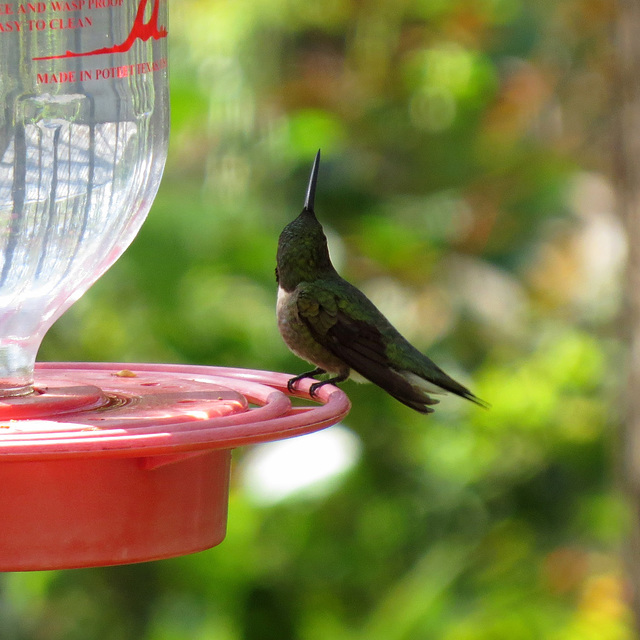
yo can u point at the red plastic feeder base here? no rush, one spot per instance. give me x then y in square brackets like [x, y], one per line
[118, 463]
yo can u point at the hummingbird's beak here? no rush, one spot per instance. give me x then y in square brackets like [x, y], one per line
[313, 179]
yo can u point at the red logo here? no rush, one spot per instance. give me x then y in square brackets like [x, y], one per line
[140, 30]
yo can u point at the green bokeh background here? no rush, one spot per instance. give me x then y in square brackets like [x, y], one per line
[465, 188]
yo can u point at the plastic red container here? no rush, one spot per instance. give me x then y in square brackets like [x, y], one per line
[120, 463]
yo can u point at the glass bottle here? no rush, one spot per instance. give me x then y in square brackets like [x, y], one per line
[84, 120]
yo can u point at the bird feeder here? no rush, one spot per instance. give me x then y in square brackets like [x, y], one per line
[105, 463]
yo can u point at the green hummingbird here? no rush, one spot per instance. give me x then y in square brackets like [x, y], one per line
[330, 323]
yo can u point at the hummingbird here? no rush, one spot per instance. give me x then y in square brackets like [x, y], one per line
[328, 322]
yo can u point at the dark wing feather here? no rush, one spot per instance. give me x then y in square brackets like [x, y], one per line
[360, 345]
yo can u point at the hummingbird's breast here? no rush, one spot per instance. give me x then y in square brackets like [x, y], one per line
[299, 339]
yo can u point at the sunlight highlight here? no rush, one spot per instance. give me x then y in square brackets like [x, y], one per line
[306, 465]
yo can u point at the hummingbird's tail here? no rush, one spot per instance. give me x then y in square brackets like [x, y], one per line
[412, 389]
[441, 383]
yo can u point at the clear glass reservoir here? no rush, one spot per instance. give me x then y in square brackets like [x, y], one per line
[84, 120]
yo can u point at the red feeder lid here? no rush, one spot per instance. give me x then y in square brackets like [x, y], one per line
[118, 463]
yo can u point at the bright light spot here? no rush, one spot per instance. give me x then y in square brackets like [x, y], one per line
[198, 415]
[307, 464]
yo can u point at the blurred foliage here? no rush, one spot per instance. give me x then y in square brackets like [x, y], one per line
[464, 187]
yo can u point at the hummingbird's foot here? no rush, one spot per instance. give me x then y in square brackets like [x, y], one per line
[309, 374]
[316, 385]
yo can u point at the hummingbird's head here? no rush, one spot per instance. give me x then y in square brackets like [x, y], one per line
[303, 255]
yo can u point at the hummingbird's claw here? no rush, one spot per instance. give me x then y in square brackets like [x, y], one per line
[313, 388]
[316, 385]
[307, 374]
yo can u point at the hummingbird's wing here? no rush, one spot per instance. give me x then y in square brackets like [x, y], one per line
[359, 344]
